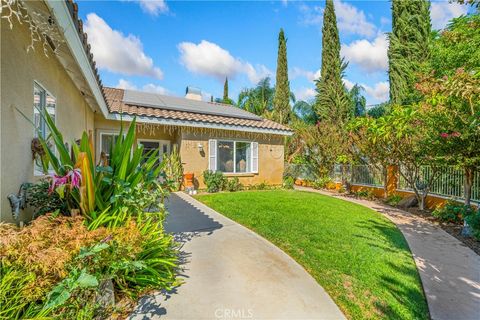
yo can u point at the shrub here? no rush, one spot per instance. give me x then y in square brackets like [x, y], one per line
[472, 217]
[452, 212]
[214, 180]
[43, 201]
[172, 169]
[288, 182]
[393, 200]
[233, 184]
[62, 264]
[321, 183]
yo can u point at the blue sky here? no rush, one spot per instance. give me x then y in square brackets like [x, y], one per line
[163, 46]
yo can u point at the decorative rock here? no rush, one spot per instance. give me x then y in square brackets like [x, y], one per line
[106, 294]
[408, 202]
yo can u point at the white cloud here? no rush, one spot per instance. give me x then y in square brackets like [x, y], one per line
[207, 58]
[349, 18]
[348, 84]
[443, 11]
[311, 15]
[153, 7]
[305, 94]
[370, 56]
[116, 52]
[352, 20]
[150, 87]
[379, 92]
[309, 75]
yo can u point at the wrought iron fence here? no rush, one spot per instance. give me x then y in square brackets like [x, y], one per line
[367, 175]
[449, 182]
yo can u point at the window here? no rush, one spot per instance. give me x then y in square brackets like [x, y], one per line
[42, 101]
[107, 141]
[157, 145]
[233, 156]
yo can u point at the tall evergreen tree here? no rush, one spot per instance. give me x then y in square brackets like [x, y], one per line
[225, 91]
[408, 48]
[281, 100]
[332, 101]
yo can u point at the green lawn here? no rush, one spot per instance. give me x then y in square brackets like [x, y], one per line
[359, 257]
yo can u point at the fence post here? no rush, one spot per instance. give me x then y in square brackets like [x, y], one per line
[392, 180]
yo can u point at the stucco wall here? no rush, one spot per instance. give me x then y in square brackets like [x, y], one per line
[270, 156]
[19, 70]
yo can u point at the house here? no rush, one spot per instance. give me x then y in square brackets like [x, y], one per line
[60, 76]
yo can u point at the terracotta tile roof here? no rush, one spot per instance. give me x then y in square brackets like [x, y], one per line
[117, 105]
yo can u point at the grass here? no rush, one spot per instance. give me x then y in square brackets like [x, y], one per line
[358, 256]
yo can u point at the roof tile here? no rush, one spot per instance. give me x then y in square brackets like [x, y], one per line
[115, 104]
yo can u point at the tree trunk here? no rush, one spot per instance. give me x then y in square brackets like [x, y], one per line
[468, 183]
[467, 194]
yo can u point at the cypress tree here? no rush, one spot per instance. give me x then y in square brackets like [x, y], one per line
[332, 100]
[225, 91]
[281, 100]
[408, 47]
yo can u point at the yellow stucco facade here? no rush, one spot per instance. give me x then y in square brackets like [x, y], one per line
[19, 71]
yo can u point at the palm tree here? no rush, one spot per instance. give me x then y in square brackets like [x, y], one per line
[258, 100]
[305, 112]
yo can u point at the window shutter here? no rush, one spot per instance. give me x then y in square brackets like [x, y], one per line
[255, 157]
[212, 155]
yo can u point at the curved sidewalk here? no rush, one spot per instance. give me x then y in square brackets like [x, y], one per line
[232, 273]
[450, 271]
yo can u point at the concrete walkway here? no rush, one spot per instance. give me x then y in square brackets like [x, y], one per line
[232, 273]
[450, 271]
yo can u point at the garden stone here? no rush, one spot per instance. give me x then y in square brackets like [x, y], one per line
[408, 202]
[106, 294]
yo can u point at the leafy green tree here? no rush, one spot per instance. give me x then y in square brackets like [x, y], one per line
[358, 100]
[281, 100]
[305, 112]
[408, 48]
[451, 86]
[378, 110]
[332, 101]
[258, 100]
[402, 138]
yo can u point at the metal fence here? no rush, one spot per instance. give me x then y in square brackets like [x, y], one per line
[448, 183]
[367, 175]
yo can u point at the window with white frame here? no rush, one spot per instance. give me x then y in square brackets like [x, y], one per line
[43, 101]
[233, 156]
[107, 142]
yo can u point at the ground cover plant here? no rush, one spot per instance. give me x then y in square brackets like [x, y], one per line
[359, 257]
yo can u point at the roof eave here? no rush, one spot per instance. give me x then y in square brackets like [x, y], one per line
[60, 10]
[197, 124]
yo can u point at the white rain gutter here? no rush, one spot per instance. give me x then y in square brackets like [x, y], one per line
[66, 24]
[196, 124]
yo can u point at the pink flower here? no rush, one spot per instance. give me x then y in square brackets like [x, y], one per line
[72, 178]
[444, 135]
[75, 176]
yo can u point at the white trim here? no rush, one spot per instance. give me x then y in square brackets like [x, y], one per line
[196, 124]
[105, 133]
[160, 144]
[60, 10]
[40, 173]
[235, 156]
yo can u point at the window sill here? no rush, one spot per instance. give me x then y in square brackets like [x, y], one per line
[239, 174]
